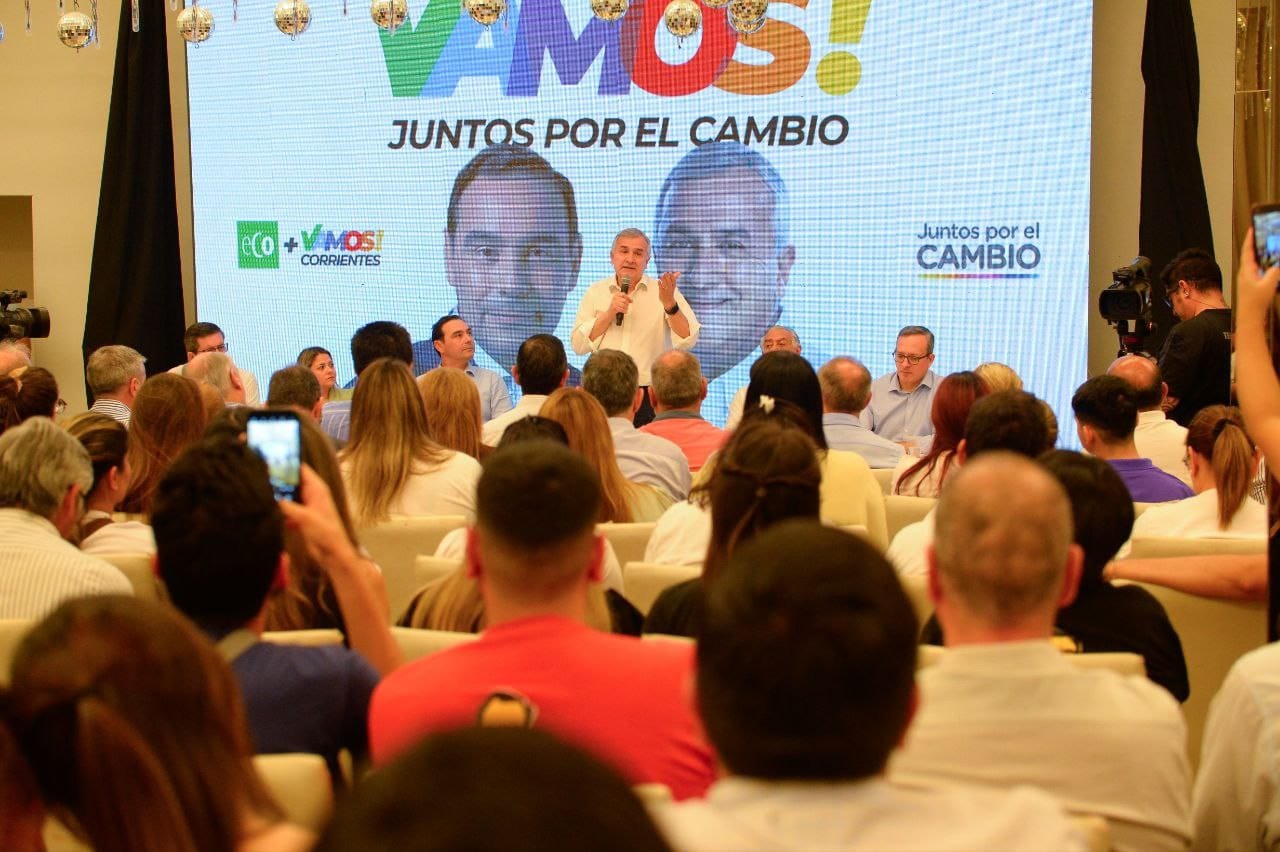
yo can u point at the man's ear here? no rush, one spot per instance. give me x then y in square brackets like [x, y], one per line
[933, 583]
[281, 580]
[135, 385]
[913, 707]
[637, 401]
[234, 376]
[438, 345]
[474, 568]
[564, 380]
[317, 410]
[702, 394]
[67, 515]
[962, 451]
[595, 570]
[190, 355]
[1071, 575]
[515, 374]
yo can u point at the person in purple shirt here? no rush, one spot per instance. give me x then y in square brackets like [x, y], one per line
[1106, 417]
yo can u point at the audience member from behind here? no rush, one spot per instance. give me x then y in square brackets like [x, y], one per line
[777, 339]
[27, 392]
[677, 392]
[114, 375]
[204, 338]
[452, 404]
[805, 684]
[44, 475]
[1106, 417]
[846, 391]
[584, 421]
[168, 416]
[13, 354]
[1157, 437]
[955, 396]
[319, 361]
[391, 466]
[296, 387]
[133, 725]
[767, 473]
[372, 341]
[1196, 359]
[611, 376]
[1222, 460]
[492, 790]
[308, 699]
[998, 377]
[1103, 617]
[535, 553]
[107, 443]
[541, 367]
[1003, 706]
[217, 370]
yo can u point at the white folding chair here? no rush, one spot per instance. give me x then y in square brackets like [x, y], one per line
[138, 568]
[310, 638]
[415, 642]
[396, 544]
[900, 510]
[301, 785]
[628, 540]
[646, 580]
[428, 569]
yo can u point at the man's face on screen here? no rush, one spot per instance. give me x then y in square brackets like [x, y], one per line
[721, 234]
[512, 260]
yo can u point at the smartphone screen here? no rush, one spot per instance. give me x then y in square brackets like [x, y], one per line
[277, 437]
[1266, 235]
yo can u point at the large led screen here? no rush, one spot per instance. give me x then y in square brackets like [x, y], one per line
[854, 167]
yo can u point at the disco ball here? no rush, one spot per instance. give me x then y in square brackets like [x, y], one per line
[389, 14]
[195, 23]
[682, 17]
[747, 11]
[747, 27]
[292, 17]
[75, 29]
[610, 10]
[485, 11]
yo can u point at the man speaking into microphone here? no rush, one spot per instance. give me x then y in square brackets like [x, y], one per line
[634, 313]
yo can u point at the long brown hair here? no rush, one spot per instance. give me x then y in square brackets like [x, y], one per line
[452, 403]
[389, 439]
[131, 720]
[1217, 435]
[26, 392]
[168, 416]
[954, 396]
[587, 426]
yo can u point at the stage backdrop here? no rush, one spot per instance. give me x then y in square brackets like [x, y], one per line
[861, 165]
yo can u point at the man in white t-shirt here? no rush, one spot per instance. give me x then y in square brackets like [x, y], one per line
[1157, 437]
[805, 684]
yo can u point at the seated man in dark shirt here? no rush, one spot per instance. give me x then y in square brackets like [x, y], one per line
[1104, 617]
[1196, 359]
[220, 550]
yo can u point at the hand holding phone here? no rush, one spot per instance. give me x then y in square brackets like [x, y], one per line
[277, 437]
[1266, 235]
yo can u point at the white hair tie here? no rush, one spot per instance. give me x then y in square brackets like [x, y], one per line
[767, 403]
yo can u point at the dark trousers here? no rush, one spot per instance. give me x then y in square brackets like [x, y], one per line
[645, 413]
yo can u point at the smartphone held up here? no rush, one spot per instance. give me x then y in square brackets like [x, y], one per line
[277, 437]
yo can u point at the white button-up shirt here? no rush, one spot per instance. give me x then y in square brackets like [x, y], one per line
[644, 333]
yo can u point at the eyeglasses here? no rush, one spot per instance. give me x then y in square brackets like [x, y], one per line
[60, 408]
[904, 358]
[221, 347]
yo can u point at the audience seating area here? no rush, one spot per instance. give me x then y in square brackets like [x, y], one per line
[396, 544]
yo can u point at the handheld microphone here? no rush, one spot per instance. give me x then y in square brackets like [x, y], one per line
[624, 284]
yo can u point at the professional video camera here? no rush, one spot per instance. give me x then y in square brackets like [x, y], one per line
[17, 321]
[1128, 300]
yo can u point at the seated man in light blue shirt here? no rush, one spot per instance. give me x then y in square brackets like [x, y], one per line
[901, 401]
[846, 391]
[451, 337]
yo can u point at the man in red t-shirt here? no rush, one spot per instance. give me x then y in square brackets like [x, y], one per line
[534, 552]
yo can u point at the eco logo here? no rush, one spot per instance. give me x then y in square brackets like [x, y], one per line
[259, 244]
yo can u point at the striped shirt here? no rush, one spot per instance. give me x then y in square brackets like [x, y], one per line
[39, 570]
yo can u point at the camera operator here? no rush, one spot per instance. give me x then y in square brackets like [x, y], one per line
[1196, 359]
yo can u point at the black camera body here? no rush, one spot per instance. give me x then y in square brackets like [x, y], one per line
[17, 322]
[1129, 296]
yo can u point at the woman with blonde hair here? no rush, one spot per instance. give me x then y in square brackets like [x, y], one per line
[999, 377]
[1222, 459]
[107, 442]
[132, 723]
[168, 416]
[452, 403]
[391, 466]
[587, 426]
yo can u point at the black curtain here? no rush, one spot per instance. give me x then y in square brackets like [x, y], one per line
[135, 282]
[1174, 207]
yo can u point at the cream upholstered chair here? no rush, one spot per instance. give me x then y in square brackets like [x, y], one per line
[884, 476]
[917, 589]
[428, 569]
[11, 632]
[628, 540]
[1159, 546]
[901, 510]
[310, 638]
[646, 580]
[1139, 508]
[396, 544]
[138, 567]
[653, 793]
[414, 642]
[301, 785]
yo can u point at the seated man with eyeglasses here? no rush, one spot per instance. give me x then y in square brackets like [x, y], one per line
[901, 401]
[202, 337]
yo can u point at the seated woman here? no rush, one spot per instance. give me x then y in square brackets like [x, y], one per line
[107, 442]
[587, 426]
[28, 392]
[453, 409]
[1222, 460]
[955, 395]
[391, 466]
[132, 723]
[766, 473]
[318, 360]
[168, 416]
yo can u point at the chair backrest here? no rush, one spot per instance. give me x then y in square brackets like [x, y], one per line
[860, 530]
[884, 476]
[428, 569]
[917, 589]
[11, 632]
[396, 544]
[1160, 546]
[646, 580]
[311, 638]
[1097, 834]
[301, 785]
[415, 643]
[1117, 661]
[137, 567]
[653, 793]
[900, 510]
[628, 540]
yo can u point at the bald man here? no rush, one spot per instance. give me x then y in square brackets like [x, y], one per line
[779, 338]
[1003, 707]
[1157, 437]
[846, 391]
